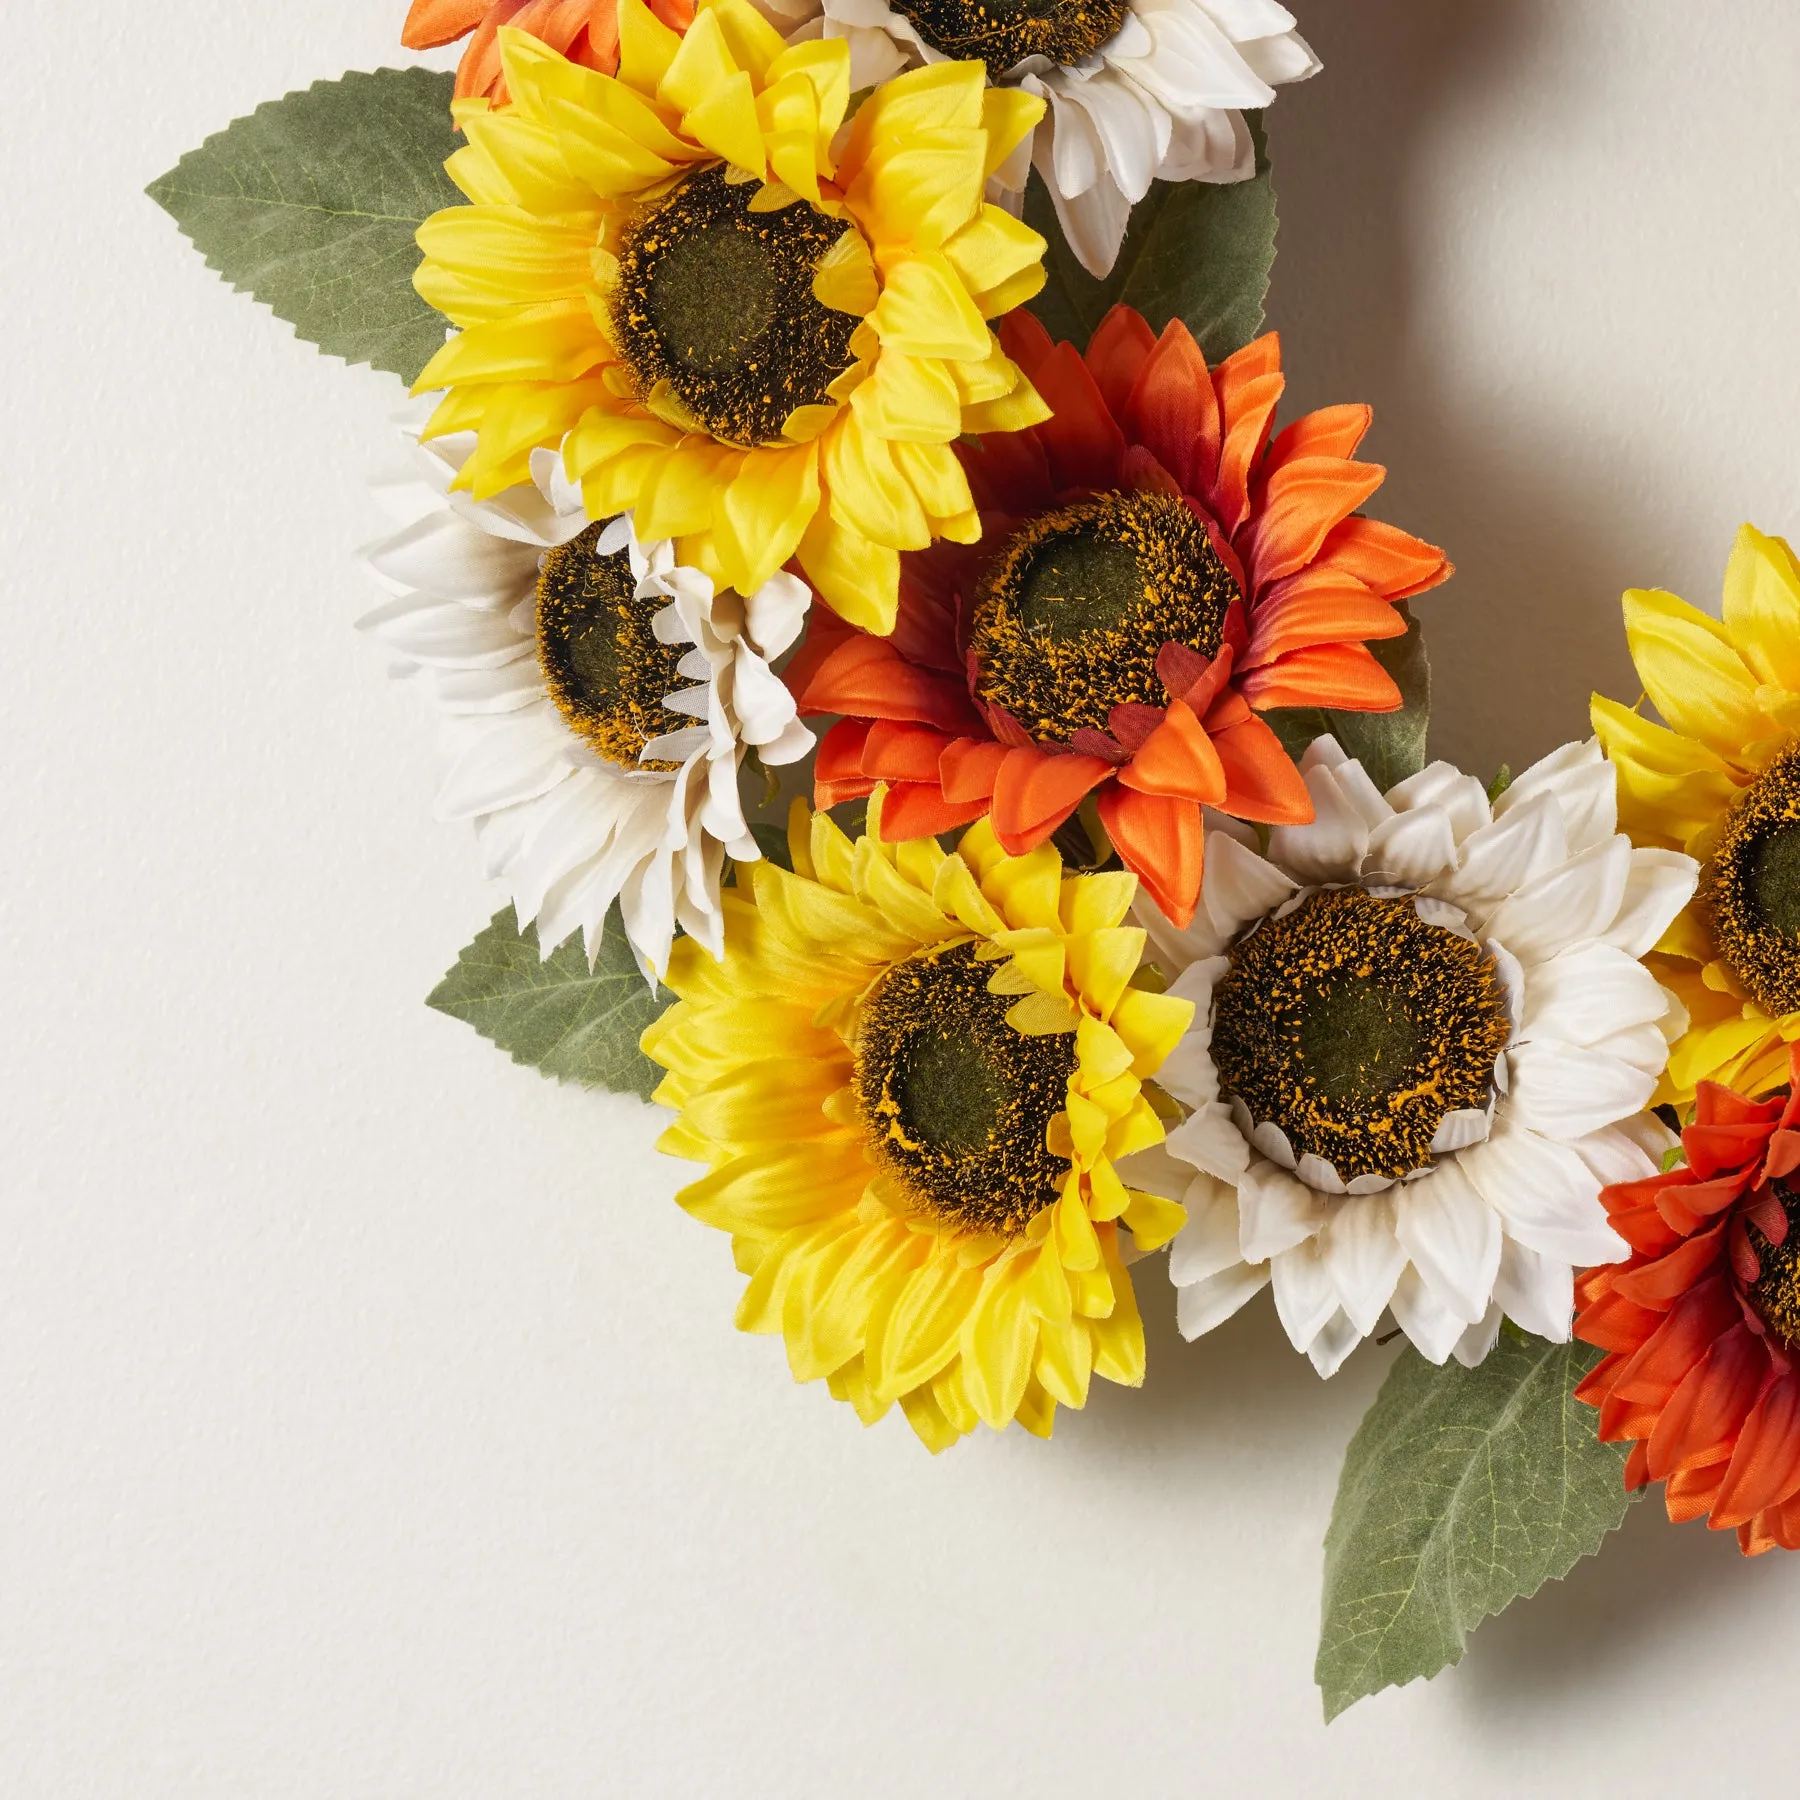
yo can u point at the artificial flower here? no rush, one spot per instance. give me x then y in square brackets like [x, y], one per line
[912, 1078]
[1422, 1033]
[599, 698]
[1136, 89]
[1152, 573]
[1720, 779]
[585, 31]
[1701, 1328]
[760, 337]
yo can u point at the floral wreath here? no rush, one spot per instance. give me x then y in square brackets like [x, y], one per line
[951, 740]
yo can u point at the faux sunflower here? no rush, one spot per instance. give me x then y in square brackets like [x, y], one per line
[758, 333]
[1720, 779]
[914, 1075]
[1153, 573]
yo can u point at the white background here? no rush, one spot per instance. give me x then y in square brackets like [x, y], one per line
[371, 1424]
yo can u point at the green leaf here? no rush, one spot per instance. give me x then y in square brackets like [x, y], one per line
[772, 841]
[557, 1015]
[310, 205]
[1198, 251]
[1462, 1490]
[1391, 746]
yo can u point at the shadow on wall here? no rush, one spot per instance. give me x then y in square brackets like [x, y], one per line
[1531, 622]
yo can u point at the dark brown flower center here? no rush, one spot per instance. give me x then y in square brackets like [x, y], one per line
[955, 1099]
[717, 301]
[1356, 1027]
[602, 662]
[1002, 33]
[1071, 615]
[1753, 887]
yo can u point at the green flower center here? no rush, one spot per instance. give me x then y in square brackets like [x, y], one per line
[1753, 887]
[1775, 1294]
[1357, 1027]
[717, 301]
[1002, 33]
[1071, 615]
[957, 1101]
[608, 674]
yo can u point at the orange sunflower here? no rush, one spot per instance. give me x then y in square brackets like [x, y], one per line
[1702, 1325]
[585, 31]
[1153, 571]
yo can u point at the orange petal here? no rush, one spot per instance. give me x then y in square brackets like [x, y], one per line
[837, 771]
[916, 809]
[1765, 1466]
[1344, 677]
[1331, 431]
[1116, 353]
[1161, 841]
[1261, 782]
[1318, 606]
[1174, 413]
[433, 22]
[968, 769]
[1385, 559]
[900, 752]
[867, 678]
[1701, 1423]
[1249, 386]
[1178, 760]
[1026, 342]
[1085, 444]
[1035, 791]
[1305, 502]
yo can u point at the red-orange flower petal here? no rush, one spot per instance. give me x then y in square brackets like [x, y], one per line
[1034, 793]
[1162, 842]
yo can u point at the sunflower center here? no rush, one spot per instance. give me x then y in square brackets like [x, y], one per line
[1072, 613]
[1753, 887]
[1357, 1027]
[603, 664]
[1002, 33]
[716, 302]
[1775, 1294]
[956, 1101]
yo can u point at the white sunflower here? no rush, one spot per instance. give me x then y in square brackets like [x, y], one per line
[1136, 89]
[1422, 1043]
[598, 698]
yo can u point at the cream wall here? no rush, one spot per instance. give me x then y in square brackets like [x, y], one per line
[372, 1424]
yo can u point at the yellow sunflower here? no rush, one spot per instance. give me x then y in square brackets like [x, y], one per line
[759, 333]
[1721, 781]
[912, 1076]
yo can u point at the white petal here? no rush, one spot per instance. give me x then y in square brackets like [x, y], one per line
[1503, 856]
[1412, 848]
[1363, 1257]
[1585, 788]
[1211, 1141]
[1564, 905]
[1453, 1237]
[1546, 1196]
[1332, 1344]
[1660, 884]
[516, 759]
[1331, 847]
[1461, 798]
[1475, 1343]
[1305, 1300]
[1564, 1092]
[1429, 1324]
[449, 558]
[1587, 993]
[1628, 1151]
[1318, 1174]
[1458, 1130]
[1537, 1292]
[1238, 887]
[1272, 1141]
[774, 614]
[1203, 1304]
[444, 633]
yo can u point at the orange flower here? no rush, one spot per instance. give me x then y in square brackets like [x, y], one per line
[1701, 1325]
[585, 31]
[1153, 571]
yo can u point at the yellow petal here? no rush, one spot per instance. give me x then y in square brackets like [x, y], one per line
[807, 914]
[858, 580]
[1102, 963]
[1119, 1337]
[994, 248]
[1696, 680]
[927, 1419]
[1097, 902]
[911, 398]
[770, 1191]
[1065, 1360]
[924, 1328]
[845, 278]
[954, 891]
[921, 191]
[761, 517]
[1101, 1054]
[1152, 1024]
[726, 122]
[646, 46]
[1762, 607]
[868, 492]
[1008, 114]
[1153, 1220]
[702, 63]
[926, 311]
[999, 1339]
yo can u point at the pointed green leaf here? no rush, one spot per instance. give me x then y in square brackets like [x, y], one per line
[310, 205]
[1391, 746]
[1463, 1490]
[1198, 251]
[557, 1015]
